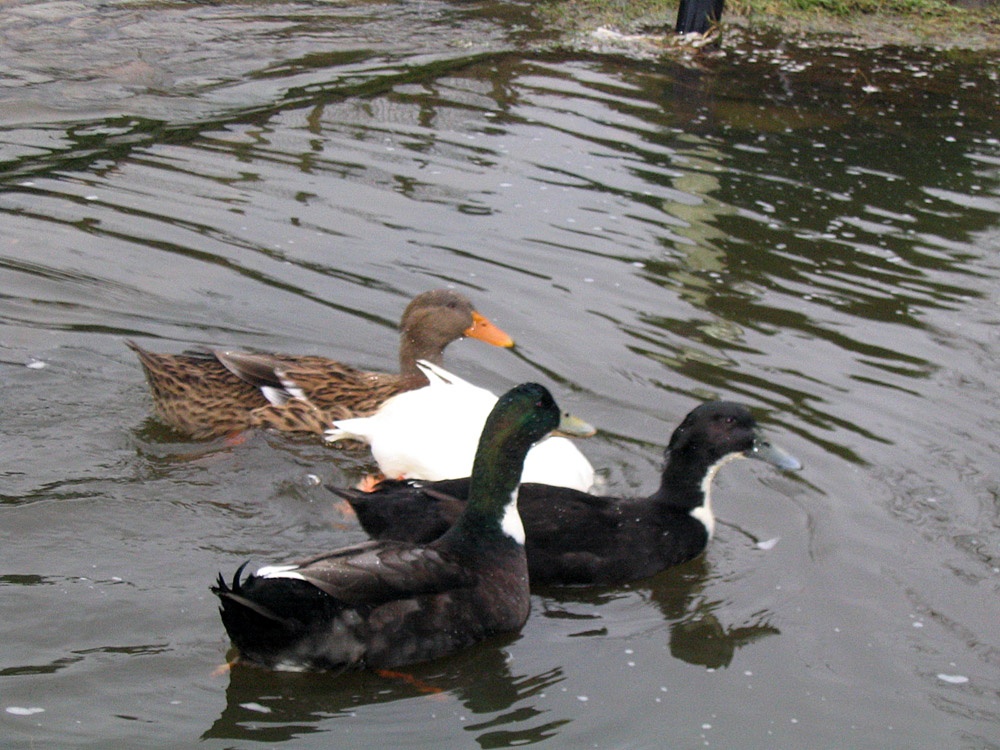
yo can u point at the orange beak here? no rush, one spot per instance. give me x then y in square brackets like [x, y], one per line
[484, 330]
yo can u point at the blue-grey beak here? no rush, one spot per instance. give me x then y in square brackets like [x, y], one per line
[764, 450]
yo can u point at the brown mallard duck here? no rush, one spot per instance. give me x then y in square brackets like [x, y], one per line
[217, 393]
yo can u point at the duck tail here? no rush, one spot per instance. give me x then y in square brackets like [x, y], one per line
[150, 362]
[252, 625]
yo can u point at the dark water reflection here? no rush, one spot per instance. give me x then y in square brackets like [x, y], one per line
[495, 705]
[273, 707]
[812, 230]
[696, 635]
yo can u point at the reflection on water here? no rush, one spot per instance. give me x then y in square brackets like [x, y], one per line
[273, 707]
[812, 230]
[266, 706]
[694, 631]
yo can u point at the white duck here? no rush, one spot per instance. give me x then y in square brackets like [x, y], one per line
[432, 432]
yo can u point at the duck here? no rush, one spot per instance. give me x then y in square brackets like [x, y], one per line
[384, 604]
[431, 432]
[579, 538]
[218, 393]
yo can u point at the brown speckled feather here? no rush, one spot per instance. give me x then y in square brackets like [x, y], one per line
[196, 394]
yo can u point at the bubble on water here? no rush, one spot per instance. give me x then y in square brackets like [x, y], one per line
[953, 679]
[22, 711]
[256, 707]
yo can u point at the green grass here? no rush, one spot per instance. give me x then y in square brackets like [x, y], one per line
[847, 7]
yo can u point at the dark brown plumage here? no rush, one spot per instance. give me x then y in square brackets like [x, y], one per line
[217, 393]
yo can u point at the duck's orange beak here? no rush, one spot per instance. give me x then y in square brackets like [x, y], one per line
[484, 330]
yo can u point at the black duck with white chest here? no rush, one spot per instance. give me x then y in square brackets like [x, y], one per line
[576, 538]
[388, 603]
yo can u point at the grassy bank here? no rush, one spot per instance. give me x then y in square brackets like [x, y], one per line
[868, 21]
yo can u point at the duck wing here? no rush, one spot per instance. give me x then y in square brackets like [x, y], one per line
[407, 510]
[334, 390]
[376, 572]
[342, 390]
[565, 517]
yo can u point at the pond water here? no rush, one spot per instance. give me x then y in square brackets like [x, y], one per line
[812, 230]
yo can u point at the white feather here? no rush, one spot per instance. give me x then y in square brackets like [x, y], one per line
[704, 511]
[432, 433]
[511, 524]
[274, 396]
[280, 571]
[290, 386]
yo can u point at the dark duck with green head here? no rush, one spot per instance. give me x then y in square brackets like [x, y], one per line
[576, 538]
[387, 603]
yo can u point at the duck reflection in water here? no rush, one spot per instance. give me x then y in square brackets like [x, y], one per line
[271, 707]
[697, 633]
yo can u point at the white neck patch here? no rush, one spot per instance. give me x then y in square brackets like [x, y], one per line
[703, 512]
[511, 524]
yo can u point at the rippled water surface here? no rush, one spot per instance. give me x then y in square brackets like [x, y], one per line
[814, 231]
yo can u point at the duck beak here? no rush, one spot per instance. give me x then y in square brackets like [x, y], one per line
[570, 426]
[484, 330]
[764, 450]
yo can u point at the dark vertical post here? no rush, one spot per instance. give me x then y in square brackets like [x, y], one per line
[698, 15]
